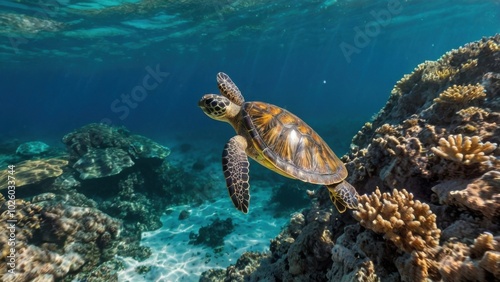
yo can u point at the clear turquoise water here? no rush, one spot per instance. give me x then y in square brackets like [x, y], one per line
[67, 63]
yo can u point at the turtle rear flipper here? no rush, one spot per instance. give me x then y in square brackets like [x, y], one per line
[235, 166]
[343, 196]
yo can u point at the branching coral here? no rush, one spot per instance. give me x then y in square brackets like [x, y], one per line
[466, 150]
[410, 224]
[460, 94]
[472, 111]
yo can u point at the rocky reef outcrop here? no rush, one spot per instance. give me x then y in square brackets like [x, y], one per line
[73, 210]
[429, 168]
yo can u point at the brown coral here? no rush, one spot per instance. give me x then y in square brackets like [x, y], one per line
[461, 94]
[409, 224]
[466, 150]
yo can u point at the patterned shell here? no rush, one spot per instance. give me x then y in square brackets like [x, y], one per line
[291, 145]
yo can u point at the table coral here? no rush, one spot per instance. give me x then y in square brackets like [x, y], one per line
[34, 171]
[408, 223]
[466, 150]
[97, 163]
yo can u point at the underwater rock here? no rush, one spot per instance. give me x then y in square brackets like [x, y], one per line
[184, 214]
[99, 163]
[145, 148]
[393, 152]
[33, 148]
[213, 234]
[34, 171]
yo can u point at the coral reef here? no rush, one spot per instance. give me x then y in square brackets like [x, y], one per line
[434, 144]
[64, 233]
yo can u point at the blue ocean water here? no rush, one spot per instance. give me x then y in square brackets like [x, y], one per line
[143, 65]
[68, 63]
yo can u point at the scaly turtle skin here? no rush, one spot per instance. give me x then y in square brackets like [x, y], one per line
[278, 140]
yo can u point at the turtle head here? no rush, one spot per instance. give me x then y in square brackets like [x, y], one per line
[218, 107]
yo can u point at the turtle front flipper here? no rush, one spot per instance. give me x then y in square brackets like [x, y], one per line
[343, 196]
[228, 89]
[235, 166]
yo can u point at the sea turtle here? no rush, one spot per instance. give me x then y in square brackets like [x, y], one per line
[278, 140]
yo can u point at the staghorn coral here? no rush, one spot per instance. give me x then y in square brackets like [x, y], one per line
[409, 224]
[461, 94]
[466, 150]
[34, 171]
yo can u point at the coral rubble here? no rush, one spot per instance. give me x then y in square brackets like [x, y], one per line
[435, 146]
